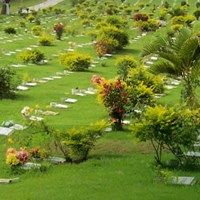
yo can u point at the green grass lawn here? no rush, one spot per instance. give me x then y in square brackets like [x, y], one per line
[119, 167]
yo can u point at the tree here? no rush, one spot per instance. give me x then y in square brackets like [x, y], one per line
[179, 56]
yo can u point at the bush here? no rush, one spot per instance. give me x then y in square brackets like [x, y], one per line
[197, 13]
[124, 64]
[8, 82]
[75, 61]
[75, 144]
[116, 21]
[10, 30]
[140, 74]
[174, 129]
[140, 17]
[33, 56]
[108, 33]
[59, 29]
[150, 25]
[37, 30]
[113, 94]
[46, 39]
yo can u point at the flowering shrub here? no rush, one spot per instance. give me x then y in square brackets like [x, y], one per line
[15, 158]
[59, 29]
[113, 94]
[38, 153]
[75, 61]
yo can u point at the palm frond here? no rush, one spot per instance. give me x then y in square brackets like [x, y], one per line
[188, 49]
[165, 67]
[156, 46]
[180, 38]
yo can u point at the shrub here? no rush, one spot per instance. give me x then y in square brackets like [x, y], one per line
[37, 30]
[59, 29]
[75, 61]
[113, 94]
[8, 82]
[33, 56]
[76, 143]
[116, 21]
[105, 46]
[140, 17]
[150, 25]
[30, 18]
[111, 32]
[140, 74]
[124, 64]
[10, 30]
[197, 13]
[46, 39]
[174, 129]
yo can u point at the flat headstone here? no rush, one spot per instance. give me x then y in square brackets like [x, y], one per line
[56, 77]
[6, 131]
[183, 180]
[169, 87]
[89, 92]
[108, 129]
[48, 79]
[70, 100]
[57, 105]
[30, 84]
[8, 180]
[18, 127]
[23, 88]
[126, 122]
[35, 118]
[57, 160]
[30, 165]
[193, 154]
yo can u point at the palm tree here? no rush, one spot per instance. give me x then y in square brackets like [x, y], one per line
[179, 56]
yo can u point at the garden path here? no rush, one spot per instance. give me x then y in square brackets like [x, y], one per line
[45, 4]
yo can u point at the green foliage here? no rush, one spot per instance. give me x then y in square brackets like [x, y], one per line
[37, 30]
[115, 38]
[124, 64]
[139, 75]
[179, 57]
[10, 30]
[150, 25]
[46, 39]
[174, 129]
[8, 82]
[31, 56]
[76, 143]
[75, 61]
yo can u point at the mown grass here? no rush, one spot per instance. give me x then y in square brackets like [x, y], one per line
[119, 167]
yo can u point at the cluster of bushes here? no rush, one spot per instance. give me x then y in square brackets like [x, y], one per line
[75, 61]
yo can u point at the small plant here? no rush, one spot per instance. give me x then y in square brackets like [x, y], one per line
[8, 82]
[37, 30]
[10, 30]
[124, 64]
[59, 29]
[31, 56]
[75, 144]
[75, 61]
[46, 39]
